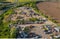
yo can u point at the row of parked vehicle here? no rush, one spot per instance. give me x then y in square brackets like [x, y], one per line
[28, 35]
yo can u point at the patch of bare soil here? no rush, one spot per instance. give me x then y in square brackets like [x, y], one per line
[50, 8]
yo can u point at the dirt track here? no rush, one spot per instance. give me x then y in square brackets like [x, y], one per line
[50, 8]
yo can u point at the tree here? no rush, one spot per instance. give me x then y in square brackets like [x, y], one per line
[2, 0]
[26, 29]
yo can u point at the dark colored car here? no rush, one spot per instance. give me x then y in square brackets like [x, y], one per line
[47, 31]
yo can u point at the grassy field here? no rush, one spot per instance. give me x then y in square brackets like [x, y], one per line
[23, 0]
[29, 0]
[20, 0]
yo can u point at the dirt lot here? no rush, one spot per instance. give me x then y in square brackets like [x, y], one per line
[50, 8]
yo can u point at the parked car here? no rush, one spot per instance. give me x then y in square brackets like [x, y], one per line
[23, 35]
[49, 27]
[48, 31]
[38, 36]
[33, 35]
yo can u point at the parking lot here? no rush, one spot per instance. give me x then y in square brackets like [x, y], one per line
[24, 13]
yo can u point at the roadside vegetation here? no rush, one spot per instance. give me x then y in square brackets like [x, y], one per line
[4, 28]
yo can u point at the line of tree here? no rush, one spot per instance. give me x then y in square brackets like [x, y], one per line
[2, 0]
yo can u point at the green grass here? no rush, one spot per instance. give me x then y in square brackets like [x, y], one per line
[4, 27]
[10, 11]
[26, 0]
[20, 0]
